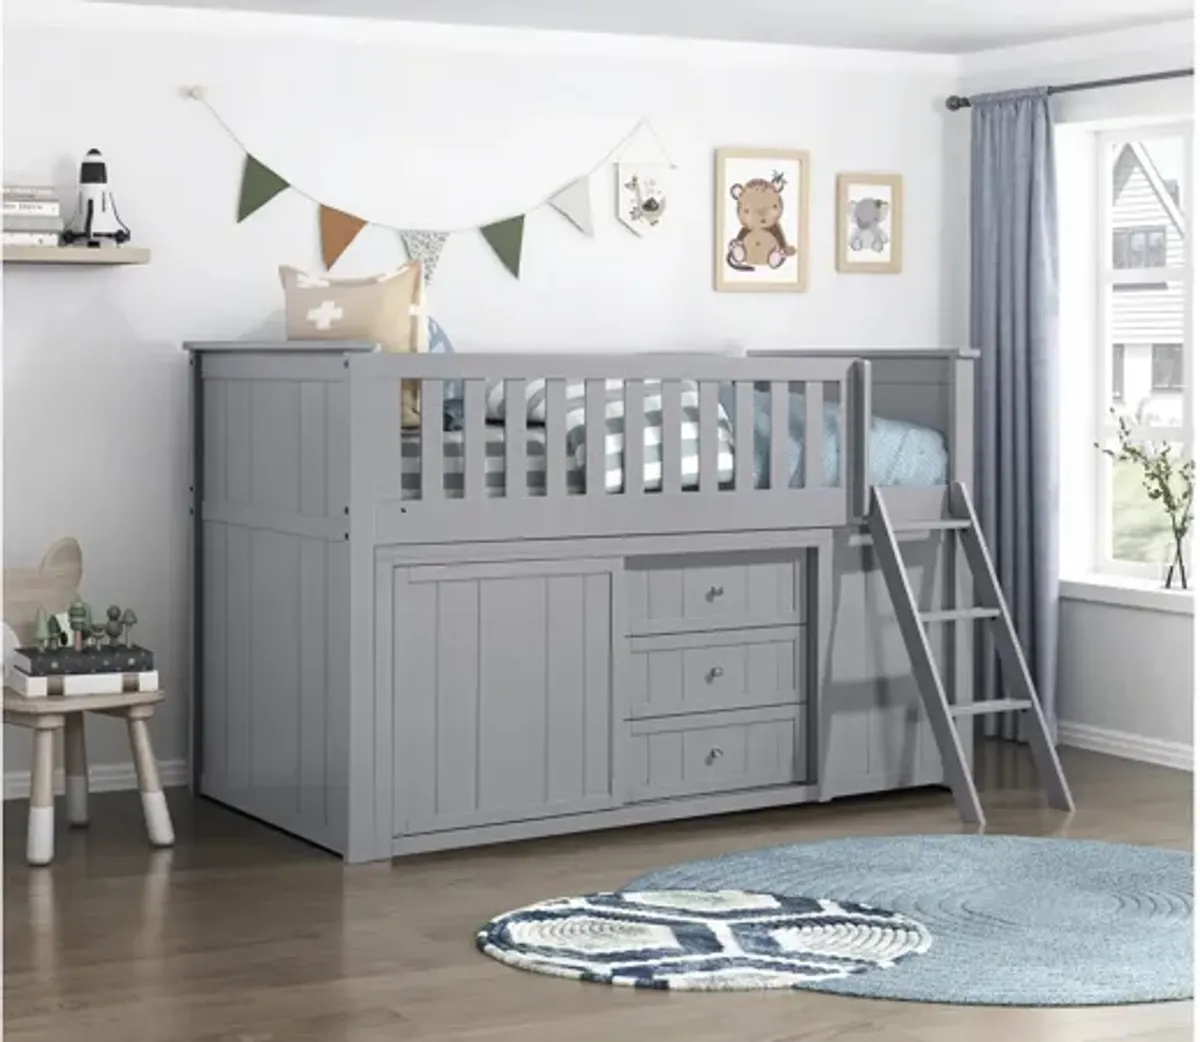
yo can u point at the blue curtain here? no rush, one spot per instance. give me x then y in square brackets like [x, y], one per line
[1014, 324]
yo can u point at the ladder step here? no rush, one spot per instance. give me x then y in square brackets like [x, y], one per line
[954, 614]
[995, 705]
[944, 525]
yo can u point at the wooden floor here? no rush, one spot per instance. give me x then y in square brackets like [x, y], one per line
[241, 934]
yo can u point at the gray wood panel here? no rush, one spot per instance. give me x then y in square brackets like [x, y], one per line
[275, 444]
[688, 756]
[702, 592]
[503, 694]
[874, 734]
[706, 672]
[314, 449]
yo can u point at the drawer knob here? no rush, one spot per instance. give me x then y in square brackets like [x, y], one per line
[715, 674]
[714, 754]
[715, 591]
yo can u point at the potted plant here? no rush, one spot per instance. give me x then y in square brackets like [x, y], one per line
[1168, 480]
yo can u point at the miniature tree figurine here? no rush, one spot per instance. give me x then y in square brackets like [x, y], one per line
[56, 634]
[87, 615]
[77, 614]
[41, 629]
[113, 626]
[129, 620]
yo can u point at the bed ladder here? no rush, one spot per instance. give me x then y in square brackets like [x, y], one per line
[964, 523]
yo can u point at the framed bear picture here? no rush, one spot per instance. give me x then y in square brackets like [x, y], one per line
[870, 213]
[761, 225]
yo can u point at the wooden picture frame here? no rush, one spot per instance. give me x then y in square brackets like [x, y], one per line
[764, 247]
[870, 223]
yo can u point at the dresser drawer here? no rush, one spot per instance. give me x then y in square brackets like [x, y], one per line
[706, 672]
[713, 591]
[690, 756]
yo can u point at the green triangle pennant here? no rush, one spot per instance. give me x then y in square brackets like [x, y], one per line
[504, 237]
[260, 184]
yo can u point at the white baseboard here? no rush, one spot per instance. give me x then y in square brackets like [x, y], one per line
[1127, 746]
[102, 777]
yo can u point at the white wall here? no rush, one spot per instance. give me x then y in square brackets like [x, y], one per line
[415, 125]
[1126, 678]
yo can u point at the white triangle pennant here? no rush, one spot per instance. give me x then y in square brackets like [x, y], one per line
[574, 202]
[425, 247]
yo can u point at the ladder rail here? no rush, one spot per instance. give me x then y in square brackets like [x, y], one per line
[929, 682]
[1014, 669]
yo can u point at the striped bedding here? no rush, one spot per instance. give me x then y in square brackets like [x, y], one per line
[576, 445]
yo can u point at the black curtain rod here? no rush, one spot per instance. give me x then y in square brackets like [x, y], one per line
[958, 101]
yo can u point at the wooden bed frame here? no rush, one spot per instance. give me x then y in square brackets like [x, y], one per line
[385, 675]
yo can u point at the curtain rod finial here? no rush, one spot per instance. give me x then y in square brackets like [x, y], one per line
[956, 102]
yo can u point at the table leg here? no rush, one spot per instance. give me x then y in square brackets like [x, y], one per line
[39, 839]
[154, 803]
[75, 755]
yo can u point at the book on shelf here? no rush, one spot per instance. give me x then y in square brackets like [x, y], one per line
[30, 193]
[38, 662]
[29, 238]
[75, 684]
[32, 223]
[30, 208]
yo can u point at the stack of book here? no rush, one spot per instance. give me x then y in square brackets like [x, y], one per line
[36, 672]
[32, 216]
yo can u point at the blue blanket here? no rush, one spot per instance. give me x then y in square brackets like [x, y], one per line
[902, 453]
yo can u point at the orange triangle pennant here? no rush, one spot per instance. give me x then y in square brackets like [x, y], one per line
[338, 230]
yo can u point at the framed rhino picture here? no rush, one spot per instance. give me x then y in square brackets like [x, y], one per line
[761, 226]
[870, 215]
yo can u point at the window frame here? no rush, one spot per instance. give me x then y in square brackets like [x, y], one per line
[1108, 278]
[1165, 388]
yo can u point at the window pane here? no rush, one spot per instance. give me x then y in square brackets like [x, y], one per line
[1141, 530]
[1146, 215]
[1146, 323]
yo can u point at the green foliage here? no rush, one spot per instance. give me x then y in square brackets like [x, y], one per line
[77, 614]
[41, 628]
[1167, 480]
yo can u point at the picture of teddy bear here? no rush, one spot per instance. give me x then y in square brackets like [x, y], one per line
[866, 224]
[760, 239]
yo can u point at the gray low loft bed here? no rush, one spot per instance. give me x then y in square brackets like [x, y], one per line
[503, 624]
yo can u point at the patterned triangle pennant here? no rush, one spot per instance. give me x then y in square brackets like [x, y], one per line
[260, 184]
[338, 230]
[505, 237]
[425, 247]
[574, 202]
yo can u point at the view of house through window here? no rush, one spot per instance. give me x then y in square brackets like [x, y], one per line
[1145, 280]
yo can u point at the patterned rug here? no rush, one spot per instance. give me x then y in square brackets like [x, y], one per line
[725, 940]
[1014, 920]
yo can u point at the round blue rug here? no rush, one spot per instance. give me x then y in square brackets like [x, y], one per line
[1014, 921]
[714, 940]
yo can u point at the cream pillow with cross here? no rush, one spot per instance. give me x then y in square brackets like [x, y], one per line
[386, 309]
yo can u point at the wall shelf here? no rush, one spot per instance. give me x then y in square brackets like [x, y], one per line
[75, 255]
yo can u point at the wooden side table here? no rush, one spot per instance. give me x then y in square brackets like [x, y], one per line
[45, 716]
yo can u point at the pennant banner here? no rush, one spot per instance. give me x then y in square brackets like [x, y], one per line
[260, 184]
[425, 247]
[575, 203]
[338, 230]
[504, 237]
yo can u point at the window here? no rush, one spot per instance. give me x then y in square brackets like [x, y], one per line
[1140, 247]
[1166, 367]
[1144, 362]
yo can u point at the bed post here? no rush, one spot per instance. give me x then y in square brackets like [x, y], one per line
[960, 438]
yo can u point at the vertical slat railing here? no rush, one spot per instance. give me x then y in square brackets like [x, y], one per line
[814, 434]
[844, 432]
[708, 436]
[432, 452]
[596, 431]
[743, 435]
[473, 444]
[556, 439]
[860, 476]
[516, 466]
[780, 435]
[635, 437]
[672, 448]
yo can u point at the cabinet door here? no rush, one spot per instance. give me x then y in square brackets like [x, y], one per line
[502, 683]
[875, 733]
